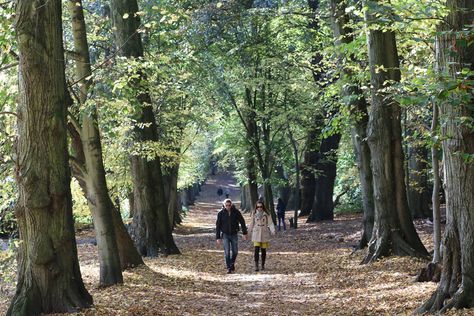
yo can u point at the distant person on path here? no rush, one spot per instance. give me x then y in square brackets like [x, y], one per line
[281, 208]
[227, 193]
[227, 226]
[219, 192]
[261, 227]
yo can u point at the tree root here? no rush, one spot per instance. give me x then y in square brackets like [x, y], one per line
[430, 273]
[440, 302]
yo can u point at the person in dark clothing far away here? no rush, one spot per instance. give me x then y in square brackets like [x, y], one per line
[227, 226]
[219, 192]
[281, 208]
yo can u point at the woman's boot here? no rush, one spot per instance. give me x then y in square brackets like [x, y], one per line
[255, 256]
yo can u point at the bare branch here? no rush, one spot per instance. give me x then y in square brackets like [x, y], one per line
[75, 123]
[10, 113]
[9, 66]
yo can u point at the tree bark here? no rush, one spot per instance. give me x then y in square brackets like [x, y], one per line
[436, 188]
[296, 194]
[418, 195]
[49, 279]
[283, 186]
[359, 117]
[323, 206]
[455, 52]
[250, 159]
[97, 193]
[308, 182]
[171, 193]
[151, 228]
[394, 232]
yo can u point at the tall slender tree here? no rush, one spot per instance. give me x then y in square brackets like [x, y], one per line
[455, 59]
[394, 232]
[93, 173]
[359, 118]
[151, 225]
[49, 279]
[88, 166]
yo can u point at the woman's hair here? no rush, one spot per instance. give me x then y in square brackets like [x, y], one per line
[264, 208]
[227, 201]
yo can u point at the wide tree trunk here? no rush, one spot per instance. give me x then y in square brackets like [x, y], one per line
[455, 52]
[323, 206]
[49, 279]
[252, 181]
[151, 229]
[245, 202]
[394, 232]
[171, 194]
[97, 193]
[418, 188]
[359, 117]
[308, 182]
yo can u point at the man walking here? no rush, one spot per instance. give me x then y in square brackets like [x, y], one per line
[227, 226]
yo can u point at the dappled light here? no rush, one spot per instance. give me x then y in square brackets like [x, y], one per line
[143, 142]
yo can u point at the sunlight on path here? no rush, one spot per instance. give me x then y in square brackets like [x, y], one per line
[309, 271]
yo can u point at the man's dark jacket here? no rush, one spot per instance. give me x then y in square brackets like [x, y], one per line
[229, 224]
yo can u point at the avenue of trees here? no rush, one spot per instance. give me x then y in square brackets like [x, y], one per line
[124, 107]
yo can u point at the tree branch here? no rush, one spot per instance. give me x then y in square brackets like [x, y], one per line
[10, 113]
[9, 66]
[75, 123]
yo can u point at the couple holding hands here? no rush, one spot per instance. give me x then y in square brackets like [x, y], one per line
[227, 226]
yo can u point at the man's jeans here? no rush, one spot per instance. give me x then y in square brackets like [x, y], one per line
[230, 242]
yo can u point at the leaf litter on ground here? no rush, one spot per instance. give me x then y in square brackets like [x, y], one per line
[309, 271]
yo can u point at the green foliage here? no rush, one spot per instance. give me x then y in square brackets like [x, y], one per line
[81, 212]
[347, 180]
[201, 59]
[8, 265]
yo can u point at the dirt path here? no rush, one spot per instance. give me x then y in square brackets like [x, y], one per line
[308, 272]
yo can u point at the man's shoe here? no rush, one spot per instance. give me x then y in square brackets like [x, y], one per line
[232, 267]
[229, 271]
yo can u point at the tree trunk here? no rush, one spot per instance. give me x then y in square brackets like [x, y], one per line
[297, 190]
[359, 117]
[454, 52]
[151, 229]
[171, 194]
[268, 193]
[49, 279]
[283, 186]
[245, 203]
[308, 182]
[97, 195]
[418, 195]
[250, 159]
[394, 232]
[323, 207]
[252, 182]
[362, 153]
[436, 188]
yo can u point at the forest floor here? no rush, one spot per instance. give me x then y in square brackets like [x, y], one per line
[309, 271]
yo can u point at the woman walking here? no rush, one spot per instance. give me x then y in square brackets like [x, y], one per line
[261, 228]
